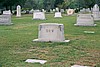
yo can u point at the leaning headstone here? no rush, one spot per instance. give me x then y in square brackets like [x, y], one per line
[85, 20]
[57, 14]
[5, 20]
[7, 12]
[96, 12]
[70, 11]
[39, 15]
[18, 11]
[51, 32]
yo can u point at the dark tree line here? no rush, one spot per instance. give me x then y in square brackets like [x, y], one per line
[48, 4]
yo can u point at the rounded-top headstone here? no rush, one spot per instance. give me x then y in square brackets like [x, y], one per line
[18, 11]
[96, 7]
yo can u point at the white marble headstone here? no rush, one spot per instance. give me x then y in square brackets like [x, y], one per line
[57, 9]
[18, 11]
[54, 10]
[39, 15]
[96, 12]
[51, 11]
[7, 12]
[51, 32]
[5, 20]
[57, 14]
[85, 20]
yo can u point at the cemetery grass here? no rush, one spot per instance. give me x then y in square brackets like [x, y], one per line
[16, 44]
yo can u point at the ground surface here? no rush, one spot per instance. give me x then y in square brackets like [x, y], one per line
[16, 44]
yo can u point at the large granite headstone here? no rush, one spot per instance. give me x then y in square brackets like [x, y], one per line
[57, 14]
[51, 32]
[5, 20]
[85, 20]
[96, 12]
[39, 15]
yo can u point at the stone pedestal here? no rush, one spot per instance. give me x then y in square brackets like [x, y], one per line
[5, 20]
[96, 12]
[18, 11]
[39, 15]
[57, 14]
[51, 32]
[85, 20]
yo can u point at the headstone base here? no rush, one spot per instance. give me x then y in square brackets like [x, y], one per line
[6, 24]
[96, 19]
[84, 25]
[37, 40]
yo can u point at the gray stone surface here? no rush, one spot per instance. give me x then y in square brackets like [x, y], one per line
[5, 20]
[51, 32]
[96, 12]
[57, 14]
[39, 15]
[18, 11]
[85, 20]
[7, 12]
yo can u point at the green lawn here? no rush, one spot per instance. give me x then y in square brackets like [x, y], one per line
[16, 44]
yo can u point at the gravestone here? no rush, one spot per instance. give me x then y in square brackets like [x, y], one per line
[31, 11]
[88, 10]
[57, 9]
[51, 11]
[57, 14]
[85, 20]
[96, 12]
[82, 11]
[5, 20]
[43, 10]
[51, 32]
[18, 11]
[62, 10]
[39, 15]
[7, 12]
[70, 11]
[54, 10]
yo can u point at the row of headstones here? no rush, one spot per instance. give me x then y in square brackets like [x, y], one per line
[94, 11]
[82, 19]
[41, 15]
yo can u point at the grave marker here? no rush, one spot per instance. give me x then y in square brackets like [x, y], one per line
[57, 14]
[5, 20]
[39, 15]
[18, 11]
[51, 32]
[85, 20]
